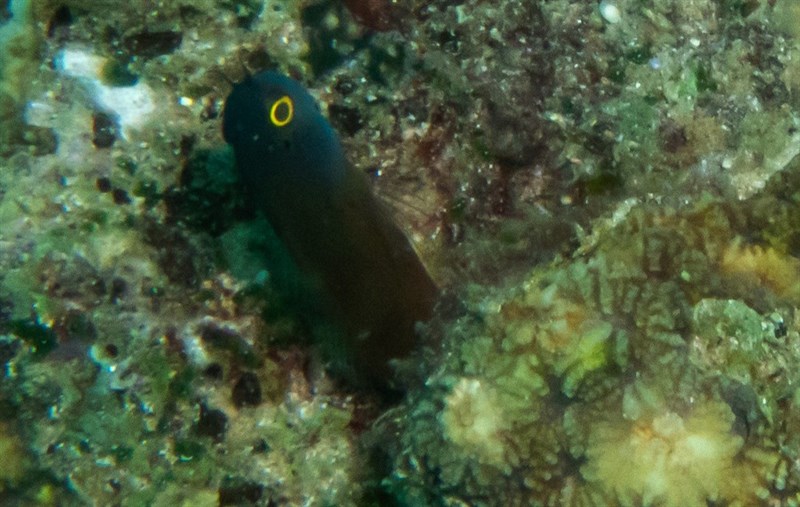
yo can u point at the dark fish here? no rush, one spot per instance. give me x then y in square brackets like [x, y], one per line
[294, 170]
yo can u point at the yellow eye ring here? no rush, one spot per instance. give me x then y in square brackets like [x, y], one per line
[275, 116]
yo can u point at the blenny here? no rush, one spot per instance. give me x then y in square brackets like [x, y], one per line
[294, 170]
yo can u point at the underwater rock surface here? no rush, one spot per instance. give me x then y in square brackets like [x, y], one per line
[607, 191]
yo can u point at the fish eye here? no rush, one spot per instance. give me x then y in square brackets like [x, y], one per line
[281, 111]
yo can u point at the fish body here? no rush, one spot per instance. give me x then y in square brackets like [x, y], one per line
[294, 170]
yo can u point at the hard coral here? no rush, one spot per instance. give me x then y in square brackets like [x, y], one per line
[564, 331]
[664, 458]
[764, 266]
[473, 419]
[605, 379]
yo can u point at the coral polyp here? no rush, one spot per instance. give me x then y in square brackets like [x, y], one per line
[473, 419]
[664, 458]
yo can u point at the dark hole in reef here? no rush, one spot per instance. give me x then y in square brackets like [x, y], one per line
[115, 485]
[76, 325]
[120, 196]
[247, 391]
[187, 143]
[112, 350]
[188, 449]
[346, 119]
[742, 8]
[258, 59]
[85, 446]
[344, 87]
[673, 136]
[207, 197]
[380, 15]
[147, 44]
[189, 12]
[8, 349]
[214, 371]
[104, 130]
[224, 339]
[119, 288]
[238, 492]
[212, 423]
[5, 12]
[744, 405]
[780, 329]
[181, 384]
[122, 453]
[103, 184]
[384, 64]
[36, 334]
[261, 447]
[246, 11]
[59, 22]
[117, 72]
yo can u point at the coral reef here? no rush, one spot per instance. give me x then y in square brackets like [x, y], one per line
[607, 191]
[636, 373]
[644, 461]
